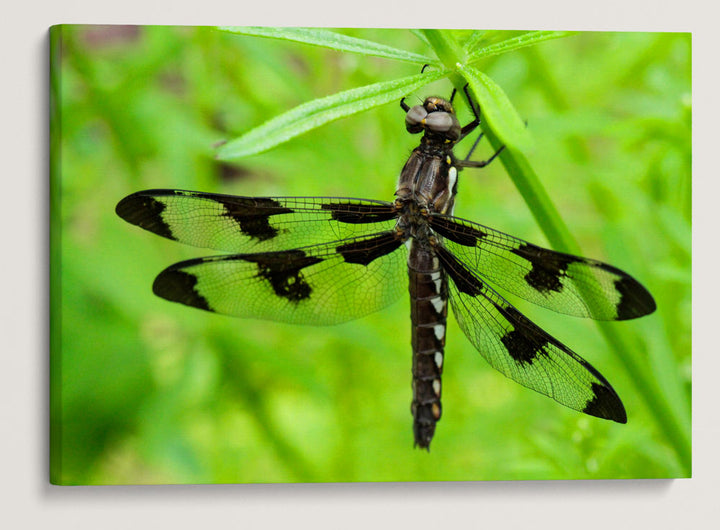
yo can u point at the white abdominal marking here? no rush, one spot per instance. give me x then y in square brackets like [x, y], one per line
[439, 304]
[437, 278]
[436, 386]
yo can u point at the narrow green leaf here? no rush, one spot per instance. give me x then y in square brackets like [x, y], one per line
[419, 34]
[332, 40]
[497, 110]
[490, 38]
[321, 111]
[445, 46]
[473, 41]
[520, 41]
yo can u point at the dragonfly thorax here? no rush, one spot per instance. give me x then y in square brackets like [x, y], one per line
[429, 177]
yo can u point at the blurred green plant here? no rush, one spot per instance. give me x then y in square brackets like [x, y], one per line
[117, 125]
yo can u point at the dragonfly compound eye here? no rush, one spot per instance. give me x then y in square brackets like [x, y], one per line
[414, 118]
[444, 124]
[439, 121]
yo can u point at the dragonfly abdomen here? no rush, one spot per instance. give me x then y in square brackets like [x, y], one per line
[428, 314]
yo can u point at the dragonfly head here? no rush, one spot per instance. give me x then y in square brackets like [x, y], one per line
[436, 117]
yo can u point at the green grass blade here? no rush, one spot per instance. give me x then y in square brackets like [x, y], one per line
[321, 111]
[520, 41]
[474, 41]
[419, 34]
[332, 40]
[497, 110]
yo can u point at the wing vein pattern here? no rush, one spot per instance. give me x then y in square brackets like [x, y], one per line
[565, 283]
[522, 351]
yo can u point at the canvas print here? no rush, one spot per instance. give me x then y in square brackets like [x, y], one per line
[311, 255]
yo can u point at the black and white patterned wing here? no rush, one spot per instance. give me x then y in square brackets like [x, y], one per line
[521, 350]
[562, 282]
[253, 224]
[317, 285]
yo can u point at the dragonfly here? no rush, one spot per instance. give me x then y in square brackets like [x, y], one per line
[328, 260]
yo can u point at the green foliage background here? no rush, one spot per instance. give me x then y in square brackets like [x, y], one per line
[144, 391]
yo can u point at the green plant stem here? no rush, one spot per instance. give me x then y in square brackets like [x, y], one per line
[542, 208]
[517, 166]
[448, 51]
